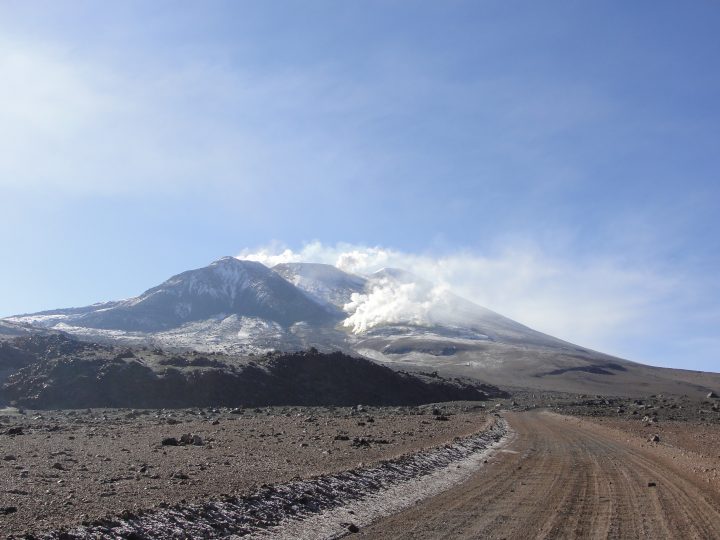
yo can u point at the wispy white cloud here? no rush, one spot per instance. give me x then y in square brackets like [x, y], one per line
[75, 124]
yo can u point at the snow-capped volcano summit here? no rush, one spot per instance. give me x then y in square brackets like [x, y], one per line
[226, 287]
[235, 294]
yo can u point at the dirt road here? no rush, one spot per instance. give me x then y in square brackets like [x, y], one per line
[562, 478]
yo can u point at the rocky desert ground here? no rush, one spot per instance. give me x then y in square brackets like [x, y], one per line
[62, 468]
[565, 465]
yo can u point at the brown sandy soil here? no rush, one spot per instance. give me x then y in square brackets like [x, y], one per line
[695, 446]
[563, 477]
[72, 466]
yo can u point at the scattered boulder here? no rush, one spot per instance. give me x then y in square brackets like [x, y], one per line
[186, 438]
[360, 442]
[655, 438]
[712, 395]
[170, 441]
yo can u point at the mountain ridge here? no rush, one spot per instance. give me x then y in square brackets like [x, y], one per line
[244, 307]
[226, 286]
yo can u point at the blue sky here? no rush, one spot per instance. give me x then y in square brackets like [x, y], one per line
[573, 147]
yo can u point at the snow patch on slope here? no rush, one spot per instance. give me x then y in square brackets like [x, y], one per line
[322, 282]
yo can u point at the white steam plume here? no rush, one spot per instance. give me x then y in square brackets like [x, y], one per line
[592, 302]
[390, 301]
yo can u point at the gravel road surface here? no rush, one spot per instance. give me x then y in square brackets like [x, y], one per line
[562, 477]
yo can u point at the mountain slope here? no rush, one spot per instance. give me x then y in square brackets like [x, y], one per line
[60, 372]
[323, 282]
[396, 299]
[228, 286]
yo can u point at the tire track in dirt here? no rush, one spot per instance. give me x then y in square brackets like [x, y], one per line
[561, 478]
